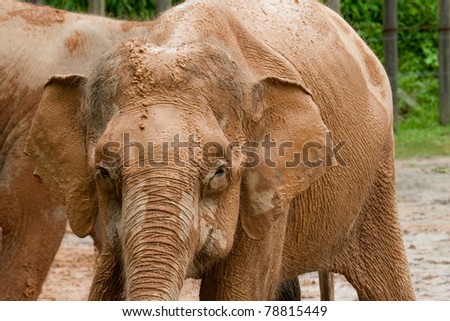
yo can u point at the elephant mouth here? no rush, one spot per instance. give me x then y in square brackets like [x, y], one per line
[202, 262]
[203, 259]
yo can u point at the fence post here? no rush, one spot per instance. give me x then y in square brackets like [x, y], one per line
[97, 7]
[326, 286]
[444, 63]
[335, 5]
[161, 6]
[391, 50]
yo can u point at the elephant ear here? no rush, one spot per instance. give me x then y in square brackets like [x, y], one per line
[294, 156]
[57, 142]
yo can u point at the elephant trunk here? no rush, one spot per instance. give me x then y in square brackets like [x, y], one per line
[158, 237]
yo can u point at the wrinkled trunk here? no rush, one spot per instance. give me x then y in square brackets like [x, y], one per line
[157, 237]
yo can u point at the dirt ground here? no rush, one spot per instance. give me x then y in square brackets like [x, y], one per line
[424, 207]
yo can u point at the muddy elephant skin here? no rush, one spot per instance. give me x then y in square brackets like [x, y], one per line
[37, 42]
[241, 142]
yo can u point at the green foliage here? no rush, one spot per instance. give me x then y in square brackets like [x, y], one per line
[131, 9]
[418, 53]
[418, 131]
[77, 6]
[367, 18]
[418, 63]
[422, 142]
[124, 9]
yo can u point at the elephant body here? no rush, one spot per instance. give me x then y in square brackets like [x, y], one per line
[271, 79]
[37, 42]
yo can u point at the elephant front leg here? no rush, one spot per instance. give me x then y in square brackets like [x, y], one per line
[107, 284]
[251, 272]
[289, 290]
[32, 226]
[374, 259]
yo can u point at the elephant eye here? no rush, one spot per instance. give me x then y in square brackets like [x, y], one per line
[108, 181]
[103, 173]
[216, 179]
[220, 171]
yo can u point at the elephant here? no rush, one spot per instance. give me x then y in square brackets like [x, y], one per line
[240, 142]
[38, 42]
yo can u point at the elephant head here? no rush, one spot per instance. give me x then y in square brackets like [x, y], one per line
[162, 150]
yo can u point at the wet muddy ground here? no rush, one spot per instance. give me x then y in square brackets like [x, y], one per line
[424, 206]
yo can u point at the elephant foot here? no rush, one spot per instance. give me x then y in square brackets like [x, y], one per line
[289, 290]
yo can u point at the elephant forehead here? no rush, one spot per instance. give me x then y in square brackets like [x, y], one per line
[161, 131]
[145, 123]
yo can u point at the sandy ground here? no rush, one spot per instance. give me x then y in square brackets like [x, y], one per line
[424, 207]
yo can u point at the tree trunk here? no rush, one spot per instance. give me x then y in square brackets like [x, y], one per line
[161, 6]
[444, 62]
[335, 5]
[391, 50]
[97, 7]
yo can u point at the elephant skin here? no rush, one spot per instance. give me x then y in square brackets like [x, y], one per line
[37, 42]
[241, 142]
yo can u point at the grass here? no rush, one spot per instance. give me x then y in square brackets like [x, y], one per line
[422, 142]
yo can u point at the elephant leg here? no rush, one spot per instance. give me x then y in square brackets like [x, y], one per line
[289, 290]
[252, 270]
[326, 284]
[108, 284]
[374, 259]
[31, 226]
